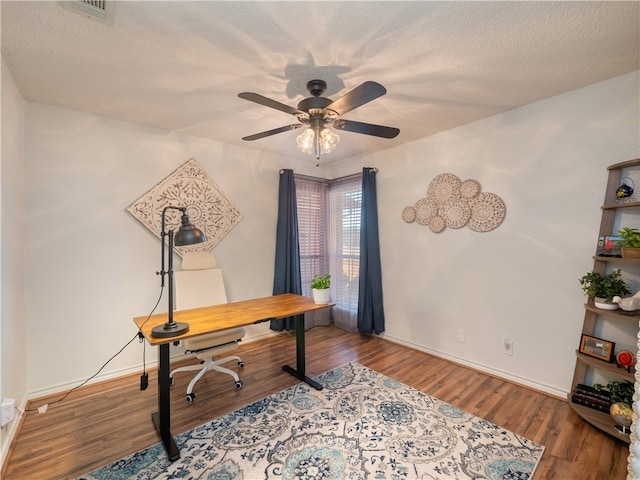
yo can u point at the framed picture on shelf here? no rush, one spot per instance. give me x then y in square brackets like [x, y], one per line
[597, 347]
[609, 246]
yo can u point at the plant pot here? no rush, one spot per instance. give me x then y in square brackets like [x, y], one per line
[321, 297]
[630, 252]
[603, 304]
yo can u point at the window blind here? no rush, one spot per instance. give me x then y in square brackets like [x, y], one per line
[344, 244]
[312, 200]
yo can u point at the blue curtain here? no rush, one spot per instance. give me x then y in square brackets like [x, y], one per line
[370, 309]
[286, 277]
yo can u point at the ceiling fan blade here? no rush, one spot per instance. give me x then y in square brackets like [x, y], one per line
[267, 102]
[268, 133]
[357, 97]
[366, 128]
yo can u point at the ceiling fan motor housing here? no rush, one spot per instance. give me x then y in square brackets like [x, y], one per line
[316, 87]
[316, 103]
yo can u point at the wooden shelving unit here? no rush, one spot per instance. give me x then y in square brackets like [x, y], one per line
[593, 315]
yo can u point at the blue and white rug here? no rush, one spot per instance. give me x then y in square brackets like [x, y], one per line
[362, 425]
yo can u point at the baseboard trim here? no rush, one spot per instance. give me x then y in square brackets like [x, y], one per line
[65, 387]
[10, 434]
[524, 382]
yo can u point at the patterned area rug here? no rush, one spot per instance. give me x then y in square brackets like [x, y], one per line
[362, 425]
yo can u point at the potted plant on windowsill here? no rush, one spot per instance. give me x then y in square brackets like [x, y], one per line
[630, 245]
[602, 288]
[320, 285]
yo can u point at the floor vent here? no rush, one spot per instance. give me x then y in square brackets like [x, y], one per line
[100, 10]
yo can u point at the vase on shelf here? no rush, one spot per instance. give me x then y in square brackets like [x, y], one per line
[603, 304]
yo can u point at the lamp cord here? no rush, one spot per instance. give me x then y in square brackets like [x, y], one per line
[138, 335]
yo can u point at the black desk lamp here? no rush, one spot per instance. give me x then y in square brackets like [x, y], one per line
[187, 234]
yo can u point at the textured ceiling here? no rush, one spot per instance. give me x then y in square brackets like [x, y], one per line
[180, 65]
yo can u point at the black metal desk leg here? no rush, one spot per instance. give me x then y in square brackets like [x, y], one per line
[162, 418]
[299, 371]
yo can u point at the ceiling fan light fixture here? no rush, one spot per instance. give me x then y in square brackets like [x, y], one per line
[328, 140]
[325, 142]
[305, 140]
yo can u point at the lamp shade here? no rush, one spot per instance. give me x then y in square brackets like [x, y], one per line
[188, 234]
[328, 140]
[306, 141]
[317, 143]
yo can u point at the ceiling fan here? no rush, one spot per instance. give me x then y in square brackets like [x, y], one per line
[317, 113]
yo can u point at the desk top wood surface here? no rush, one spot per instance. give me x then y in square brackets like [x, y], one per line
[215, 318]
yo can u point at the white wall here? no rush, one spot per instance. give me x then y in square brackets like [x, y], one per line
[548, 163]
[13, 364]
[90, 266]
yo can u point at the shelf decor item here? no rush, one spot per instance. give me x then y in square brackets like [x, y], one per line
[628, 304]
[630, 244]
[621, 403]
[321, 288]
[591, 397]
[626, 359]
[609, 246]
[597, 347]
[625, 190]
[622, 414]
[602, 288]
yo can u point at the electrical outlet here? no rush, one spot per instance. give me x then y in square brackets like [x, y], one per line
[460, 335]
[507, 346]
[7, 411]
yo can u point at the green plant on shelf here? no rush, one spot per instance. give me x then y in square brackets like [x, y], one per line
[630, 237]
[619, 391]
[596, 285]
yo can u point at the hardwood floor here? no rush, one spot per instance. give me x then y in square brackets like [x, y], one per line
[101, 423]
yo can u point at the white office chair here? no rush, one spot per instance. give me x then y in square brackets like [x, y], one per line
[199, 284]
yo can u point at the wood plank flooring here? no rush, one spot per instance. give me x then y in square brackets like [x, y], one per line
[101, 423]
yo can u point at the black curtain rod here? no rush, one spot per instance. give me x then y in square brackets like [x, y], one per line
[326, 180]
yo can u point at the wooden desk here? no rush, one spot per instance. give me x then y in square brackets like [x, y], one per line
[216, 318]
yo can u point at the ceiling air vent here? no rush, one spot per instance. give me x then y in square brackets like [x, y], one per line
[100, 10]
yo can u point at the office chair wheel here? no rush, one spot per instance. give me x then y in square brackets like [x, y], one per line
[239, 384]
[241, 364]
[191, 397]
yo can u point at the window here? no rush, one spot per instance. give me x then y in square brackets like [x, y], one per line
[344, 234]
[312, 199]
[329, 237]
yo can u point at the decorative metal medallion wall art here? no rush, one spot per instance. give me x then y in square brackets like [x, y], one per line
[453, 203]
[189, 186]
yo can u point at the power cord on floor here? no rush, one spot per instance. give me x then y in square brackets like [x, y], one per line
[138, 335]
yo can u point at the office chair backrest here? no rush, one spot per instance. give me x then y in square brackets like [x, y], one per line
[200, 283]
